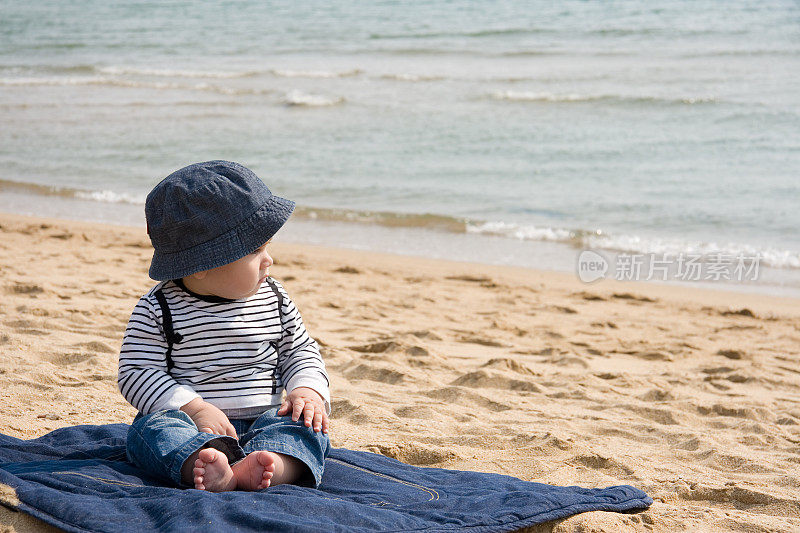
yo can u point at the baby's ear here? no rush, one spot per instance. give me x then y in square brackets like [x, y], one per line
[199, 275]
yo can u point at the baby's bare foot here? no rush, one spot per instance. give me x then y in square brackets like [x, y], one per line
[212, 471]
[255, 471]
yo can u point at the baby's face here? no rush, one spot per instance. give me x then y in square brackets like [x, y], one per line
[239, 279]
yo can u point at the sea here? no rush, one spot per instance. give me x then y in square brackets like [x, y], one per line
[524, 133]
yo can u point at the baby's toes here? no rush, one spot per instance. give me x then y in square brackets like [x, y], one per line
[266, 480]
[199, 473]
[266, 476]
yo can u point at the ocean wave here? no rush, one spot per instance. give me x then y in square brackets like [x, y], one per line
[531, 96]
[105, 196]
[315, 73]
[670, 32]
[770, 256]
[522, 232]
[111, 197]
[174, 73]
[748, 53]
[412, 77]
[48, 69]
[477, 34]
[127, 83]
[60, 80]
[301, 99]
[635, 244]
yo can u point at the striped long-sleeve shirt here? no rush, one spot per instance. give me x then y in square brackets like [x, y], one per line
[226, 354]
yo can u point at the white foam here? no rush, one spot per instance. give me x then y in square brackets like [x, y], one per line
[61, 80]
[770, 256]
[635, 244]
[111, 197]
[529, 96]
[174, 73]
[412, 77]
[315, 73]
[299, 98]
[516, 231]
[127, 83]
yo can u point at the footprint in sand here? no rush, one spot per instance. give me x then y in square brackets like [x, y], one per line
[589, 296]
[493, 380]
[375, 373]
[564, 309]
[658, 415]
[632, 297]
[459, 396]
[391, 346]
[758, 414]
[413, 453]
[347, 270]
[24, 288]
[567, 360]
[421, 412]
[739, 312]
[96, 346]
[69, 359]
[606, 464]
[657, 395]
[471, 279]
[425, 334]
[62, 235]
[483, 342]
[731, 354]
[26, 327]
[356, 414]
[653, 356]
[731, 494]
[506, 363]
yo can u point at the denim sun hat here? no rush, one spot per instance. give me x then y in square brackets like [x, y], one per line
[207, 215]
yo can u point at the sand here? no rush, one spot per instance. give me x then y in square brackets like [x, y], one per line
[691, 395]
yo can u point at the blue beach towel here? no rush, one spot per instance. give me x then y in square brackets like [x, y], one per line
[78, 479]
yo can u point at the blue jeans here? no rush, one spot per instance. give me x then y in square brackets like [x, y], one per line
[161, 442]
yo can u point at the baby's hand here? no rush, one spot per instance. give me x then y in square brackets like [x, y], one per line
[307, 402]
[208, 418]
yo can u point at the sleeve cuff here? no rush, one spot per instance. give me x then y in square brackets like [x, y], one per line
[320, 385]
[176, 398]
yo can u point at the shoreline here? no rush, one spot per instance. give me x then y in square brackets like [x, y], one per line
[490, 250]
[689, 394]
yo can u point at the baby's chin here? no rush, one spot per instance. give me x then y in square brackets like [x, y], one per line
[257, 288]
[241, 296]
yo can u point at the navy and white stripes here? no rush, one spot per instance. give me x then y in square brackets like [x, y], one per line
[227, 353]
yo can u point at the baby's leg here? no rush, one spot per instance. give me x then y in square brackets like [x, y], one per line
[278, 469]
[165, 444]
[298, 452]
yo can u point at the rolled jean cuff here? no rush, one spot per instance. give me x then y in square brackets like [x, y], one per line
[314, 466]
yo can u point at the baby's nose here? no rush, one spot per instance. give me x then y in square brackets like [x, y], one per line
[267, 260]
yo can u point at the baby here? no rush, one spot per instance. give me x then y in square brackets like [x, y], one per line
[210, 349]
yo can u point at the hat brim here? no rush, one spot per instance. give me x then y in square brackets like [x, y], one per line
[236, 243]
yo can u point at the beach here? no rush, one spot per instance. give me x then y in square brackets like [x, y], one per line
[691, 395]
